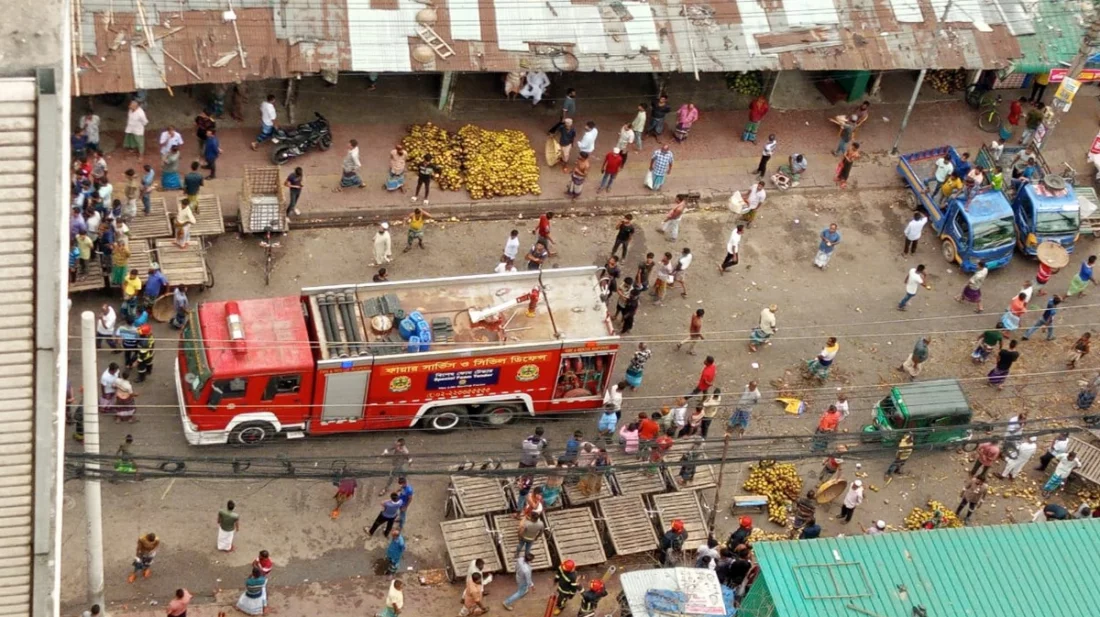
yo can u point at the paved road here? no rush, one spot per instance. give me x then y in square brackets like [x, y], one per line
[854, 299]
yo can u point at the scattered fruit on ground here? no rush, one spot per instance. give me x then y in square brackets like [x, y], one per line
[919, 516]
[780, 482]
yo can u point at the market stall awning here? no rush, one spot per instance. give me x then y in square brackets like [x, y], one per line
[1056, 38]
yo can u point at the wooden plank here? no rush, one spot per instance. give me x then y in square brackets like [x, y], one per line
[1089, 455]
[467, 539]
[574, 536]
[507, 534]
[705, 475]
[576, 497]
[479, 495]
[638, 482]
[156, 224]
[185, 266]
[628, 524]
[208, 218]
[91, 281]
[684, 506]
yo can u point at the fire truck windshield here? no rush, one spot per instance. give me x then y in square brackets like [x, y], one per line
[196, 370]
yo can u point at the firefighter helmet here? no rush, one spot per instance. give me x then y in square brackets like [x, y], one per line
[597, 586]
[677, 525]
[746, 521]
[568, 565]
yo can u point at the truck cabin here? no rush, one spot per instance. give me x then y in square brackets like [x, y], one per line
[245, 356]
[984, 229]
[1047, 213]
[937, 405]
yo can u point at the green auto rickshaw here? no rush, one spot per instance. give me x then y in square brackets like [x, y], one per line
[936, 412]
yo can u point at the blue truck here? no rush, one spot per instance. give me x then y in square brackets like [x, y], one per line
[1045, 210]
[983, 229]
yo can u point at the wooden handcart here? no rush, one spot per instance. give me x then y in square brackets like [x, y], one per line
[705, 476]
[208, 219]
[686, 507]
[507, 534]
[574, 536]
[467, 539]
[476, 495]
[262, 201]
[185, 266]
[156, 224]
[638, 482]
[576, 497]
[628, 525]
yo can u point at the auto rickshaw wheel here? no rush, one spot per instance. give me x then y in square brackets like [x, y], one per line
[948, 250]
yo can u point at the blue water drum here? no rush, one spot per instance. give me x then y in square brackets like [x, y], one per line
[414, 344]
[406, 328]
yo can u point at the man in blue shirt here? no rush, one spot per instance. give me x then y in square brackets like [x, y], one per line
[405, 496]
[1046, 319]
[391, 508]
[572, 448]
[155, 286]
[395, 551]
[964, 165]
[811, 531]
[211, 150]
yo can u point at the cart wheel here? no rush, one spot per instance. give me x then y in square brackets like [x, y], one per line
[209, 276]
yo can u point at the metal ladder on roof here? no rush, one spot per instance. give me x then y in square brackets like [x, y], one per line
[429, 36]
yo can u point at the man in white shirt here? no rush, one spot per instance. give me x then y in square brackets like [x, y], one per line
[679, 414]
[168, 138]
[105, 327]
[944, 167]
[511, 246]
[135, 129]
[757, 195]
[268, 116]
[107, 381]
[588, 140]
[1067, 462]
[913, 282]
[733, 249]
[1024, 452]
[913, 231]
[766, 155]
[680, 271]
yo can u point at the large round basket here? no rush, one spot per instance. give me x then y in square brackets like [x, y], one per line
[164, 308]
[1052, 254]
[831, 489]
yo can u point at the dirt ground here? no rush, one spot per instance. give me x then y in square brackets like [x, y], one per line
[854, 299]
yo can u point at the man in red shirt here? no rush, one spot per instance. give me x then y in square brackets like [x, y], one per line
[828, 424]
[178, 606]
[612, 163]
[542, 230]
[988, 453]
[706, 378]
[648, 430]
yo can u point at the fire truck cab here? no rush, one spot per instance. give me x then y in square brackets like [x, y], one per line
[439, 353]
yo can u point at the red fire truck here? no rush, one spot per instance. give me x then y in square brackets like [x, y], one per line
[343, 358]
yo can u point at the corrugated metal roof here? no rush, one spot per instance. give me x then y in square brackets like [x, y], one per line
[1056, 37]
[306, 36]
[968, 572]
[17, 222]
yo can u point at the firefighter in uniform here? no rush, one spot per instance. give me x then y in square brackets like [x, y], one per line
[145, 352]
[566, 579]
[672, 541]
[591, 598]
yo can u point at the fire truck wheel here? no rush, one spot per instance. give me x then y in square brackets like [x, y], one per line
[499, 415]
[444, 419]
[251, 434]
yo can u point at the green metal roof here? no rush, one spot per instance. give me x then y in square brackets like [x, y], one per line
[1056, 40]
[943, 397]
[987, 571]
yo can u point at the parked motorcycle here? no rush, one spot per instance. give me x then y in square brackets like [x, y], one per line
[291, 144]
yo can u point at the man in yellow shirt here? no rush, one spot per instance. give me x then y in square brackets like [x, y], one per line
[950, 186]
[131, 286]
[1039, 87]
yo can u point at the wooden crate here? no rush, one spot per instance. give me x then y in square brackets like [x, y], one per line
[1089, 455]
[686, 507]
[477, 495]
[511, 482]
[467, 539]
[258, 181]
[157, 224]
[185, 266]
[576, 498]
[575, 536]
[507, 534]
[208, 220]
[142, 258]
[628, 524]
[638, 482]
[93, 280]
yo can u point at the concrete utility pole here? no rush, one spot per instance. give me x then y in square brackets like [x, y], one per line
[1092, 35]
[909, 110]
[93, 503]
[718, 483]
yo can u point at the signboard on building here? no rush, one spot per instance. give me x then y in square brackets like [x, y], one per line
[1067, 90]
[1087, 75]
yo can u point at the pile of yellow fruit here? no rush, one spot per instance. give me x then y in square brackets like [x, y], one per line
[445, 150]
[498, 163]
[759, 535]
[780, 482]
[920, 516]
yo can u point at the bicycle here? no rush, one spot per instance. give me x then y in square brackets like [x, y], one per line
[989, 119]
[977, 96]
[269, 254]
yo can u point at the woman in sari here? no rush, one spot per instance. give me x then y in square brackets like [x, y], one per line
[551, 490]
[592, 481]
[253, 600]
[628, 437]
[170, 170]
[844, 167]
[634, 372]
[757, 110]
[819, 366]
[265, 565]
